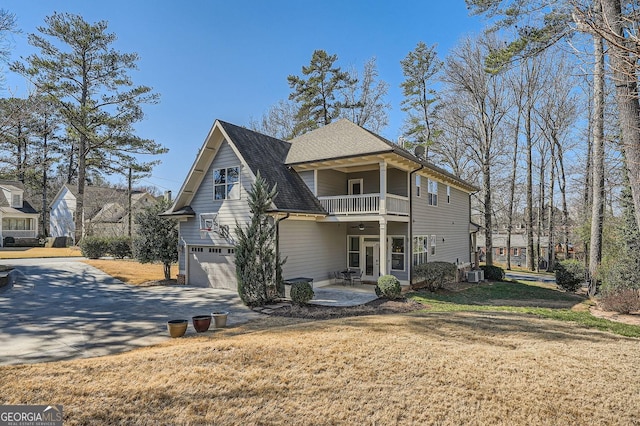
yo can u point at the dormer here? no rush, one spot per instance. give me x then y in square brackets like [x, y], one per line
[13, 195]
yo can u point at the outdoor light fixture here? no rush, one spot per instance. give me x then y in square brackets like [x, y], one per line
[361, 226]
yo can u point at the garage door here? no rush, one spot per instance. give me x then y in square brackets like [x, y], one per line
[212, 267]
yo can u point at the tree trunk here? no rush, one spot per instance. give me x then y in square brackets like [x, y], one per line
[597, 208]
[625, 79]
[551, 249]
[166, 267]
[562, 181]
[529, 216]
[488, 223]
[512, 186]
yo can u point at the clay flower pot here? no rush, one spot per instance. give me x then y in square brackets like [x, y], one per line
[201, 322]
[177, 328]
[220, 318]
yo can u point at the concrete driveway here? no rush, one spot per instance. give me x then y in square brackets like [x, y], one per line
[56, 309]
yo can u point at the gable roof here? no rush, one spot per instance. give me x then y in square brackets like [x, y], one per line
[5, 205]
[260, 153]
[345, 139]
[97, 197]
[267, 156]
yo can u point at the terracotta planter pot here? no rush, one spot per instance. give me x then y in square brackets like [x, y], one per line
[177, 328]
[220, 318]
[201, 323]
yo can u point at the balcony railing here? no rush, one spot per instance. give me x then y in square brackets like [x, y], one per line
[364, 204]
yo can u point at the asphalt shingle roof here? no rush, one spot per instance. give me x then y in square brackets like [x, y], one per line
[267, 155]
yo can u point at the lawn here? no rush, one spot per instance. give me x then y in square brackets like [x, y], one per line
[37, 252]
[476, 356]
[131, 271]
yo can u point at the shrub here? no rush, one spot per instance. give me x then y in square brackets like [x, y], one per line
[433, 275]
[301, 293]
[492, 272]
[389, 287]
[570, 274]
[94, 247]
[120, 247]
[620, 288]
[621, 300]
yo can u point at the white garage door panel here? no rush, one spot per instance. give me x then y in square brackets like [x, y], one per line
[212, 267]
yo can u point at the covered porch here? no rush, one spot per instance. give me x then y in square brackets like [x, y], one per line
[17, 226]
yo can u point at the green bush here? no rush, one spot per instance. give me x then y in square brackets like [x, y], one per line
[434, 275]
[570, 274]
[389, 287]
[120, 247]
[492, 272]
[94, 247]
[301, 293]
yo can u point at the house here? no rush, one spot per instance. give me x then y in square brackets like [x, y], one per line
[19, 218]
[347, 198]
[518, 248]
[105, 210]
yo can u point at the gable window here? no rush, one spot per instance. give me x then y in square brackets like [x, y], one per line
[16, 200]
[432, 187]
[418, 180]
[226, 183]
[448, 194]
[397, 253]
[420, 250]
[433, 245]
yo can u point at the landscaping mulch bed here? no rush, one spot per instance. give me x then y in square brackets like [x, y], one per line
[379, 306]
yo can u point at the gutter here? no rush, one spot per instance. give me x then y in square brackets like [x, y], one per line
[279, 278]
[410, 262]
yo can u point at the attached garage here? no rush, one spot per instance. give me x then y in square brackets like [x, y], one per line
[212, 267]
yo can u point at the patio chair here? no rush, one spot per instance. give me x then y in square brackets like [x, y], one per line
[338, 277]
[357, 277]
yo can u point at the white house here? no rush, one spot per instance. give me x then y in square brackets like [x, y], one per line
[19, 219]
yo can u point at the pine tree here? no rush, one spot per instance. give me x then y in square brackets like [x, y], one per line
[258, 264]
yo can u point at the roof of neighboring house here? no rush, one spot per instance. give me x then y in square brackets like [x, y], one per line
[99, 201]
[344, 139]
[13, 185]
[517, 240]
[267, 156]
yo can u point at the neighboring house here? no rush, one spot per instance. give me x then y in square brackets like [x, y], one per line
[347, 198]
[105, 211]
[19, 219]
[518, 248]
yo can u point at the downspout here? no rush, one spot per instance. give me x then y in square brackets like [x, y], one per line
[410, 262]
[279, 282]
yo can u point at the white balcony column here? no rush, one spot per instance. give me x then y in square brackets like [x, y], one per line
[383, 187]
[383, 245]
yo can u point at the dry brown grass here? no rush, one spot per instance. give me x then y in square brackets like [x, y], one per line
[36, 252]
[432, 368]
[130, 271]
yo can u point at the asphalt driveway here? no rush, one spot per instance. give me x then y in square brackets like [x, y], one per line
[60, 309]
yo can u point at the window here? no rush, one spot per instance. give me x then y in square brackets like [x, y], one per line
[420, 250]
[397, 253]
[433, 245]
[515, 251]
[432, 187]
[354, 252]
[418, 179]
[16, 200]
[448, 194]
[501, 251]
[226, 184]
[16, 224]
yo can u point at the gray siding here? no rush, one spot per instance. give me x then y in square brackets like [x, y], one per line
[312, 249]
[229, 211]
[331, 182]
[370, 181]
[448, 221]
[397, 182]
[307, 178]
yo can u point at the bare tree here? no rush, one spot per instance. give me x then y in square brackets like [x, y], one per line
[279, 121]
[481, 96]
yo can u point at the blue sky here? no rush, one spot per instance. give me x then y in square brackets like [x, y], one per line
[230, 59]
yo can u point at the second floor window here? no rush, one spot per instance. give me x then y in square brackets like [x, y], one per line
[226, 183]
[432, 186]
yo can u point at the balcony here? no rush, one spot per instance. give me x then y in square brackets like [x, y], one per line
[365, 204]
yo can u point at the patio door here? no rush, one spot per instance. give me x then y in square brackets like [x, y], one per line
[371, 261]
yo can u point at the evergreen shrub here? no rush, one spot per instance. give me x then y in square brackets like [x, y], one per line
[570, 274]
[301, 293]
[389, 287]
[434, 275]
[94, 247]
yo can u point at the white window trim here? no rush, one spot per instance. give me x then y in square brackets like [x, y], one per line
[418, 186]
[226, 198]
[404, 254]
[448, 194]
[432, 245]
[359, 181]
[433, 196]
[420, 249]
[349, 251]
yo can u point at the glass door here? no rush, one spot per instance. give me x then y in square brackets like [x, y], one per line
[371, 261]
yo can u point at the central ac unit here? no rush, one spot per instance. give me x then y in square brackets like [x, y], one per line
[475, 276]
